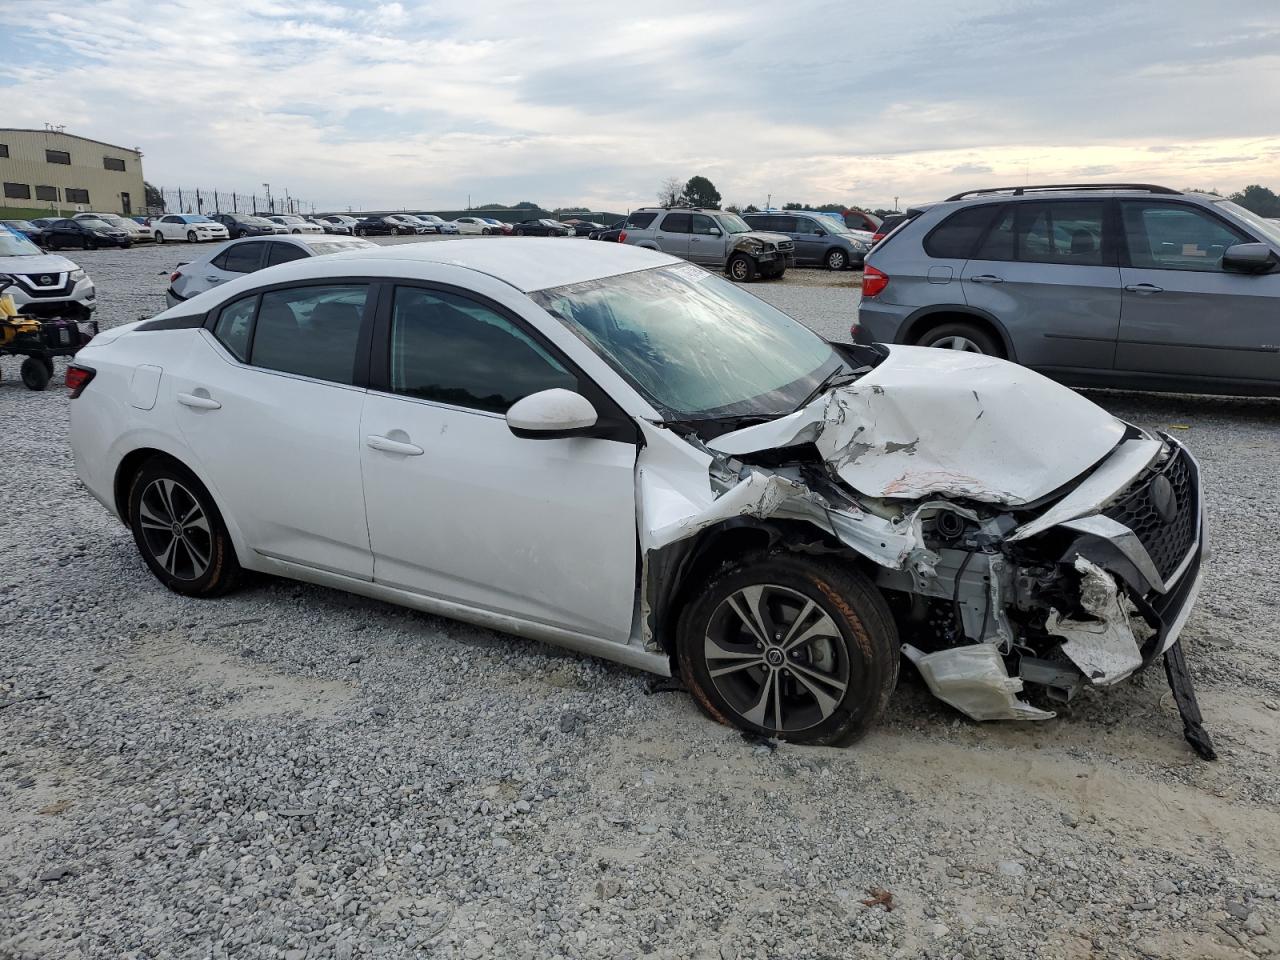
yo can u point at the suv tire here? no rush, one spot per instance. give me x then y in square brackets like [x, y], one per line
[967, 337]
[741, 268]
[827, 689]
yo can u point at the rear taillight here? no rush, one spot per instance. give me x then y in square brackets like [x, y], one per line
[873, 282]
[622, 236]
[173, 277]
[877, 237]
[78, 378]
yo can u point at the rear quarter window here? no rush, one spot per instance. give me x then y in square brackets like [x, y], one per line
[956, 237]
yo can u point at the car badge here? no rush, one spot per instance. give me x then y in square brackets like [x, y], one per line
[1164, 499]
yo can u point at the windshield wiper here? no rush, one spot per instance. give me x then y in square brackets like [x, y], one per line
[838, 374]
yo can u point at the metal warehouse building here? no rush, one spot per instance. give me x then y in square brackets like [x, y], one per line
[50, 170]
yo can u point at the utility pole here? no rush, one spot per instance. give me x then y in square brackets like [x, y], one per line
[895, 204]
[270, 207]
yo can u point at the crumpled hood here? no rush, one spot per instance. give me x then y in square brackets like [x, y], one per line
[940, 422]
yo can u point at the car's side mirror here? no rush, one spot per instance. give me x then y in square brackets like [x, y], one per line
[551, 414]
[1248, 257]
[819, 233]
[715, 231]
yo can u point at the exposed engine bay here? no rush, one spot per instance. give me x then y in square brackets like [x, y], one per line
[1023, 536]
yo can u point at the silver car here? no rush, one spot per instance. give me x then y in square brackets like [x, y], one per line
[712, 238]
[1100, 285]
[239, 257]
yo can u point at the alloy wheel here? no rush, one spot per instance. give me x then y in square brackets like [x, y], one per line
[776, 657]
[956, 343]
[738, 269]
[835, 260]
[175, 529]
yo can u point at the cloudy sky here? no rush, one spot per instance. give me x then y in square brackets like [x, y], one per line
[421, 104]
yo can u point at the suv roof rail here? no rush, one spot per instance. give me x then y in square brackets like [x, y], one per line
[1019, 191]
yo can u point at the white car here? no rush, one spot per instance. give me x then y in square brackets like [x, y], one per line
[295, 225]
[611, 449]
[44, 284]
[187, 226]
[136, 231]
[474, 225]
[239, 257]
[437, 224]
[341, 223]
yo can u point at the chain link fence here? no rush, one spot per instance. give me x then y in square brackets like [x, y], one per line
[201, 200]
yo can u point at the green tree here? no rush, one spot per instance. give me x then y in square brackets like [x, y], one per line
[1259, 199]
[700, 192]
[154, 196]
[526, 205]
[750, 208]
[794, 206]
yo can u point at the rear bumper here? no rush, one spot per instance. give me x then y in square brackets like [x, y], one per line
[878, 322]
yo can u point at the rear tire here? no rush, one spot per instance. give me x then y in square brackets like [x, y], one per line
[179, 531]
[159, 237]
[36, 372]
[965, 337]
[802, 649]
[741, 268]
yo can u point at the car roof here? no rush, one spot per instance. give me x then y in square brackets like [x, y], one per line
[528, 263]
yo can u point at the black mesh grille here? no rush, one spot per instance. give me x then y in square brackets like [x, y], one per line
[1167, 543]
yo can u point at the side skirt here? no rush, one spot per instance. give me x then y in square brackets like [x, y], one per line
[582, 643]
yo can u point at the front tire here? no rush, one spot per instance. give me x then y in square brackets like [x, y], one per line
[965, 337]
[180, 532]
[837, 260]
[790, 647]
[741, 268]
[191, 236]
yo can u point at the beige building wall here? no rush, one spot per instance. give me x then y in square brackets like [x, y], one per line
[33, 176]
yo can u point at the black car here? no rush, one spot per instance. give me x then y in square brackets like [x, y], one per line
[380, 227]
[244, 225]
[610, 233]
[25, 227]
[86, 234]
[583, 228]
[540, 228]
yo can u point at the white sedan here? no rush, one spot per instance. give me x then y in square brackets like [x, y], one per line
[187, 226]
[249, 255]
[611, 449]
[296, 225]
[474, 225]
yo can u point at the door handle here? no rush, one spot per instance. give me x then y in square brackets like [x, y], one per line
[198, 402]
[1144, 288]
[387, 445]
[986, 278]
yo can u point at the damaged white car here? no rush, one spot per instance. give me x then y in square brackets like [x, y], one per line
[619, 452]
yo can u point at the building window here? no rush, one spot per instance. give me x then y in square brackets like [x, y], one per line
[77, 196]
[58, 156]
[113, 163]
[17, 191]
[4, 150]
[47, 193]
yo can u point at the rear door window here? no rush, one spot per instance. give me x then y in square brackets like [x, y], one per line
[240, 258]
[1175, 236]
[310, 331]
[284, 253]
[956, 236]
[1067, 232]
[677, 223]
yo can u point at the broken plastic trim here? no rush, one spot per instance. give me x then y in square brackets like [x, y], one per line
[973, 679]
[1105, 647]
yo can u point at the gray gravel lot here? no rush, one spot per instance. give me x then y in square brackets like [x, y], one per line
[293, 772]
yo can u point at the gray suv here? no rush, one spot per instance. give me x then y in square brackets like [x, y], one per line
[1096, 285]
[819, 239]
[712, 238]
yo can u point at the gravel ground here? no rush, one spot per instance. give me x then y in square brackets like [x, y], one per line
[293, 772]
